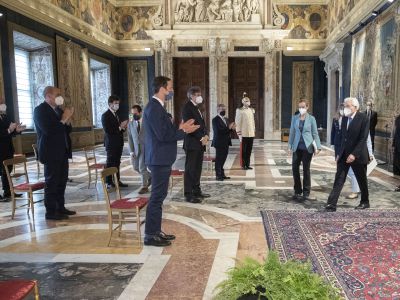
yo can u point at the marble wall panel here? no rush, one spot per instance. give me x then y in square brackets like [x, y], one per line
[302, 84]
[137, 83]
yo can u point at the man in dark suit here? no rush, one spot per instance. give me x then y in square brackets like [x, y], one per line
[53, 126]
[221, 141]
[194, 145]
[160, 153]
[353, 153]
[373, 120]
[8, 129]
[113, 138]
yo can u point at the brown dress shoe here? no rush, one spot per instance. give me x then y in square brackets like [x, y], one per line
[143, 190]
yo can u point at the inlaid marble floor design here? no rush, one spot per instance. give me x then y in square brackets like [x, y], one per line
[210, 236]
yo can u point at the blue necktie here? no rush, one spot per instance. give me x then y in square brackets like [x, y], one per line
[348, 124]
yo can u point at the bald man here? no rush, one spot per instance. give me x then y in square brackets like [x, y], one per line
[53, 126]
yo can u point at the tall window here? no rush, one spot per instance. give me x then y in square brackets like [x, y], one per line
[24, 90]
[33, 71]
[100, 86]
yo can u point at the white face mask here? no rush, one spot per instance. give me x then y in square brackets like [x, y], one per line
[341, 112]
[115, 107]
[59, 100]
[347, 111]
[199, 99]
[302, 110]
[246, 103]
[3, 107]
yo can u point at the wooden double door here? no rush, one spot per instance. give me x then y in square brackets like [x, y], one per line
[190, 71]
[246, 74]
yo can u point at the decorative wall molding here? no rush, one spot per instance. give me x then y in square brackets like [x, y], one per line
[137, 83]
[73, 80]
[332, 57]
[302, 84]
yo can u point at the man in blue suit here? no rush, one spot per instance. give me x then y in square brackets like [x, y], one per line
[221, 141]
[160, 153]
[53, 126]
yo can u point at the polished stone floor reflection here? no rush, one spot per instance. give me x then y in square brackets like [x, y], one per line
[210, 236]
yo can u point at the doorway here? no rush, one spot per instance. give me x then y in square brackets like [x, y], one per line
[190, 71]
[246, 74]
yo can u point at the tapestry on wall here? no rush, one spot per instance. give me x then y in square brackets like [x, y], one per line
[73, 80]
[373, 68]
[41, 64]
[137, 82]
[1, 78]
[302, 83]
[101, 90]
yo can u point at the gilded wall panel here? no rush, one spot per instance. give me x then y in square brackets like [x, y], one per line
[304, 21]
[137, 83]
[302, 83]
[373, 69]
[73, 80]
[338, 10]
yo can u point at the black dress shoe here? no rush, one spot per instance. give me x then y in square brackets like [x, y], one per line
[56, 217]
[249, 168]
[2, 199]
[202, 195]
[192, 199]
[157, 241]
[327, 208]
[167, 237]
[362, 206]
[219, 178]
[309, 198]
[226, 177]
[67, 212]
[297, 197]
[397, 189]
[8, 195]
[122, 184]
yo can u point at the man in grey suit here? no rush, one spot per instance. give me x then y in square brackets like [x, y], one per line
[136, 147]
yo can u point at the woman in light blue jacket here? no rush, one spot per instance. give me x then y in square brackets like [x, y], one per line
[303, 143]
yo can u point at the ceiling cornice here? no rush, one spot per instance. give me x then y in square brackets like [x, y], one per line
[301, 2]
[121, 3]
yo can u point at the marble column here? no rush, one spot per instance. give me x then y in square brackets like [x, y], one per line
[167, 67]
[332, 56]
[213, 75]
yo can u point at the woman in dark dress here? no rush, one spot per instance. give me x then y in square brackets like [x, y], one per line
[396, 149]
[335, 132]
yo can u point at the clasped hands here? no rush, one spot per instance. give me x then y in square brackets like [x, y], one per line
[188, 126]
[124, 124]
[18, 127]
[67, 114]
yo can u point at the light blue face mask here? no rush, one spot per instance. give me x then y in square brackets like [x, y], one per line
[169, 96]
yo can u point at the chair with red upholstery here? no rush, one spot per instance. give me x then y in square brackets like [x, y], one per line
[92, 164]
[175, 174]
[121, 210]
[18, 289]
[21, 187]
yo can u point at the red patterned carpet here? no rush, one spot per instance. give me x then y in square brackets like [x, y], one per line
[358, 252]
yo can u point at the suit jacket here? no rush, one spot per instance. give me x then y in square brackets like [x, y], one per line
[373, 120]
[192, 140]
[310, 133]
[6, 144]
[53, 140]
[222, 133]
[113, 136]
[161, 135]
[354, 139]
[135, 138]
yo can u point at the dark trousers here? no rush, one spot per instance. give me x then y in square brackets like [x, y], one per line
[4, 179]
[159, 191]
[304, 157]
[221, 153]
[193, 167]
[113, 160]
[56, 176]
[360, 171]
[247, 147]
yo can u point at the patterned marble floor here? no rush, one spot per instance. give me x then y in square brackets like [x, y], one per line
[210, 236]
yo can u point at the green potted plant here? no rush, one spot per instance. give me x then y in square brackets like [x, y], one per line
[274, 280]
